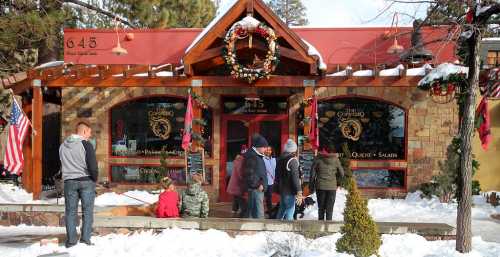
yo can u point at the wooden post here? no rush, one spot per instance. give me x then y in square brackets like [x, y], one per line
[308, 93]
[28, 162]
[37, 117]
[197, 115]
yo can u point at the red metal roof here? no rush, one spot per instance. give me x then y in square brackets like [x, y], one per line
[336, 45]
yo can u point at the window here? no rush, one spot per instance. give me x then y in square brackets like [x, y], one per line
[380, 178]
[145, 127]
[373, 130]
[135, 174]
[493, 58]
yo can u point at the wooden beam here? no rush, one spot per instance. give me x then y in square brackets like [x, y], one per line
[197, 114]
[228, 81]
[250, 7]
[205, 42]
[37, 117]
[308, 93]
[284, 52]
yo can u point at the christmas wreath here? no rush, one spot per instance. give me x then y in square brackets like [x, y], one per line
[246, 28]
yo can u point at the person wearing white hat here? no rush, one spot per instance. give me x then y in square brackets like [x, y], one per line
[288, 181]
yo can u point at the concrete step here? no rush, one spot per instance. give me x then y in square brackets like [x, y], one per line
[309, 228]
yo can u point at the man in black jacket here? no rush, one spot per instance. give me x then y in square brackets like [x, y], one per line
[79, 172]
[255, 177]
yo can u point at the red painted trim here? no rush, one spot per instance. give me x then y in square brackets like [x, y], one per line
[406, 110]
[110, 152]
[253, 119]
[405, 171]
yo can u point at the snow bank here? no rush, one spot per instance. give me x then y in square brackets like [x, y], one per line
[12, 194]
[185, 243]
[442, 71]
[23, 230]
[135, 197]
[411, 209]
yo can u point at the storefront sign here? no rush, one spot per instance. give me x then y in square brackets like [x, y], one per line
[255, 105]
[195, 163]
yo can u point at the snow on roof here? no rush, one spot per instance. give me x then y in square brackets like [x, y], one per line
[312, 51]
[223, 9]
[49, 64]
[363, 73]
[392, 72]
[420, 71]
[342, 73]
[443, 71]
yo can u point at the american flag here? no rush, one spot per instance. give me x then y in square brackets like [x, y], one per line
[13, 159]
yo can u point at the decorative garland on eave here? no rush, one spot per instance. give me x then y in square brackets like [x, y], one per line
[244, 29]
[445, 90]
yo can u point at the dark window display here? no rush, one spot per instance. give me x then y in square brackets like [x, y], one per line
[151, 174]
[373, 130]
[146, 127]
[255, 105]
[380, 178]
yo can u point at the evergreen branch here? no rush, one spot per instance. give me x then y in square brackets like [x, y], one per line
[101, 11]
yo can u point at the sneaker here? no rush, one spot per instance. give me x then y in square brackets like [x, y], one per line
[69, 245]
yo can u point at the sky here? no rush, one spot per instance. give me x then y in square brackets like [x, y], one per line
[350, 13]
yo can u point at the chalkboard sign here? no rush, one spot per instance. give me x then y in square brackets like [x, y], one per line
[306, 159]
[195, 163]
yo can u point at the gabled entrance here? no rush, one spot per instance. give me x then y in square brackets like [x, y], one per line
[204, 56]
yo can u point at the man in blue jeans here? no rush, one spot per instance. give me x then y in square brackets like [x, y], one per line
[79, 172]
[288, 180]
[255, 177]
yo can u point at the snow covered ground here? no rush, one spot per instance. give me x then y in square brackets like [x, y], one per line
[411, 209]
[12, 194]
[185, 243]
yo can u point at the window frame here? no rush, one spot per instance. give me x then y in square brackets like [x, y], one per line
[406, 112]
[110, 128]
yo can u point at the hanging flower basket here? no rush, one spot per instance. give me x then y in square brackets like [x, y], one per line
[247, 28]
[443, 89]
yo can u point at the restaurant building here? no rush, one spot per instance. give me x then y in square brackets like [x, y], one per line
[247, 72]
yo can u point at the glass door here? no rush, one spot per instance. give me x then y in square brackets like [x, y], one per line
[236, 133]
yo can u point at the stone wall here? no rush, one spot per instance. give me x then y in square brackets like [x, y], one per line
[430, 126]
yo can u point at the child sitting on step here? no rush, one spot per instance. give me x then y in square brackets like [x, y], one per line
[168, 203]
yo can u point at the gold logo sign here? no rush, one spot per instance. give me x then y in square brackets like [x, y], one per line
[351, 129]
[159, 122]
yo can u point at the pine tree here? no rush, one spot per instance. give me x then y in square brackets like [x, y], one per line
[292, 12]
[31, 31]
[360, 235]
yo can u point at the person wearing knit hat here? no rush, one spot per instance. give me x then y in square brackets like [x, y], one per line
[288, 181]
[168, 201]
[255, 176]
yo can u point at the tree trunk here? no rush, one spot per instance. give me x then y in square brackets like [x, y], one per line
[464, 233]
[46, 54]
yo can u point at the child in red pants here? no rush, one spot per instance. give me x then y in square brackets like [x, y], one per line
[168, 203]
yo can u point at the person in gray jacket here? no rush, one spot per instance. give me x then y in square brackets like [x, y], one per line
[323, 180]
[79, 172]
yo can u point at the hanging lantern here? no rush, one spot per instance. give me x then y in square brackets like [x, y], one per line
[395, 48]
[118, 49]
